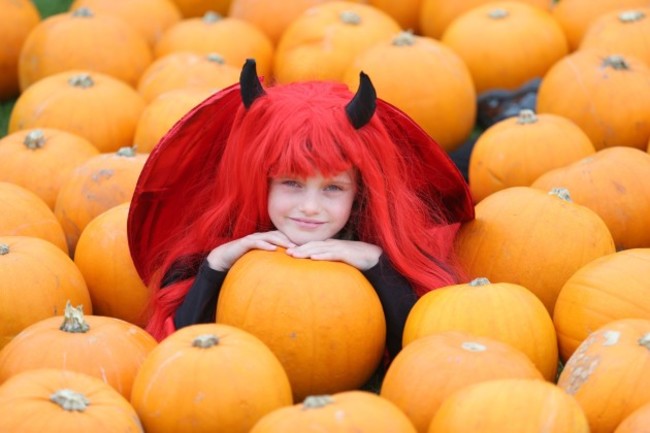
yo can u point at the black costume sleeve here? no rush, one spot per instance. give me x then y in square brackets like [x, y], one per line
[200, 303]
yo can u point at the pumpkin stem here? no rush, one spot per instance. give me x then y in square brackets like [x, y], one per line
[630, 16]
[211, 17]
[645, 341]
[526, 117]
[317, 401]
[4, 249]
[81, 80]
[83, 12]
[126, 151]
[405, 38]
[73, 319]
[617, 62]
[205, 341]
[562, 193]
[216, 58]
[481, 281]
[498, 14]
[472, 346]
[70, 400]
[350, 17]
[34, 139]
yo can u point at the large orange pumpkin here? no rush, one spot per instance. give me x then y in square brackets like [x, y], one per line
[36, 281]
[206, 378]
[506, 312]
[636, 422]
[54, 400]
[322, 319]
[431, 368]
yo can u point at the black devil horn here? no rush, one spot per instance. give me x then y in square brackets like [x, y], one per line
[250, 85]
[361, 108]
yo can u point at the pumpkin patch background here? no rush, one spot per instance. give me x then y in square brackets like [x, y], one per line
[551, 130]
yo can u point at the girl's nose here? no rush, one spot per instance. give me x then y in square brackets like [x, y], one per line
[310, 204]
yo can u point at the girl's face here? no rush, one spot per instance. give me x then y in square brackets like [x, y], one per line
[313, 208]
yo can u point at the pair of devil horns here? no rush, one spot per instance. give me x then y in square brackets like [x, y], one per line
[359, 110]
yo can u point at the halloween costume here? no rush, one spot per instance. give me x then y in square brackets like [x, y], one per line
[206, 183]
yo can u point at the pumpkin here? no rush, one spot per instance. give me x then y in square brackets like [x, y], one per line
[510, 406]
[103, 257]
[234, 39]
[208, 377]
[613, 183]
[40, 159]
[517, 150]
[636, 422]
[323, 42]
[609, 373]
[432, 367]
[82, 40]
[150, 18]
[534, 238]
[322, 319]
[184, 69]
[18, 18]
[612, 287]
[603, 93]
[409, 65]
[104, 347]
[102, 182]
[505, 312]
[405, 12]
[53, 400]
[506, 44]
[98, 107]
[36, 280]
[196, 8]
[349, 411]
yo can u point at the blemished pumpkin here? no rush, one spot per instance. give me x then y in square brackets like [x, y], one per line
[209, 377]
[36, 281]
[612, 287]
[505, 312]
[322, 319]
[54, 400]
[80, 39]
[234, 39]
[534, 238]
[323, 42]
[609, 373]
[517, 150]
[604, 93]
[425, 79]
[18, 18]
[506, 44]
[636, 422]
[96, 106]
[103, 257]
[432, 367]
[348, 411]
[510, 406]
[614, 183]
[40, 159]
[104, 347]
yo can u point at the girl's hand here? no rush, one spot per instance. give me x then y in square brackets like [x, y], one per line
[225, 255]
[361, 255]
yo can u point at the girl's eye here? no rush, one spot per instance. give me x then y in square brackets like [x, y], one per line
[333, 188]
[290, 183]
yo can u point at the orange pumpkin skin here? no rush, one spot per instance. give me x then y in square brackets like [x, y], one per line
[432, 367]
[53, 393]
[104, 347]
[103, 257]
[196, 8]
[208, 377]
[636, 422]
[612, 287]
[530, 237]
[505, 312]
[322, 319]
[82, 40]
[405, 12]
[323, 42]
[18, 18]
[96, 106]
[94, 187]
[40, 159]
[517, 150]
[609, 373]
[506, 44]
[37, 279]
[614, 184]
[349, 411]
[608, 96]
[510, 406]
[25, 214]
[445, 106]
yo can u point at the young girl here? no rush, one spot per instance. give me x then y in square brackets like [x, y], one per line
[309, 167]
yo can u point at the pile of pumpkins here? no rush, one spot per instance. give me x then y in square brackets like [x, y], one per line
[551, 330]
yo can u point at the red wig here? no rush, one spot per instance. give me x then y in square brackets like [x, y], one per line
[411, 197]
